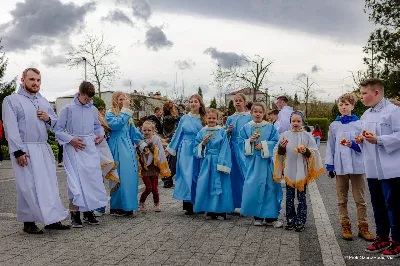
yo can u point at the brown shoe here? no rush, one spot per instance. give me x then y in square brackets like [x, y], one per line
[364, 233]
[346, 231]
[31, 228]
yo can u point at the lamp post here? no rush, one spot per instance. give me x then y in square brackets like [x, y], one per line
[84, 59]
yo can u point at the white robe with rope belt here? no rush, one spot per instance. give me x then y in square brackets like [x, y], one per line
[38, 198]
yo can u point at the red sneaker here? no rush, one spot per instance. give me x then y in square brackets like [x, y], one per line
[393, 251]
[378, 245]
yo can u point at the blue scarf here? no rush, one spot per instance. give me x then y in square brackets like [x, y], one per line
[347, 119]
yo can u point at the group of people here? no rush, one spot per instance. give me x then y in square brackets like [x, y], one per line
[236, 167]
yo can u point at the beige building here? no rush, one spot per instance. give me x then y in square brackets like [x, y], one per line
[248, 92]
[143, 105]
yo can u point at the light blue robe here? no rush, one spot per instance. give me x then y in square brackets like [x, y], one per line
[213, 191]
[238, 120]
[262, 196]
[187, 165]
[83, 168]
[122, 138]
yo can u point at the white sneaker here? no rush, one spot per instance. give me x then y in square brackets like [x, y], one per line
[97, 214]
[277, 224]
[258, 223]
[60, 165]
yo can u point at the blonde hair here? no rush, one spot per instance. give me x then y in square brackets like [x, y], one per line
[241, 95]
[348, 97]
[202, 109]
[262, 105]
[395, 102]
[103, 123]
[212, 111]
[149, 123]
[115, 106]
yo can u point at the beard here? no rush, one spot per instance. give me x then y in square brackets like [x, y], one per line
[32, 89]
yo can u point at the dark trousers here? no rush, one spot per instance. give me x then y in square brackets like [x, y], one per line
[291, 216]
[385, 199]
[151, 183]
[60, 153]
[1, 153]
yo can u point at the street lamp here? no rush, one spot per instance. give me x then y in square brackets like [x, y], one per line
[84, 59]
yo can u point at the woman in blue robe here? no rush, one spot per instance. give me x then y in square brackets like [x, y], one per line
[213, 192]
[233, 125]
[123, 135]
[181, 145]
[262, 196]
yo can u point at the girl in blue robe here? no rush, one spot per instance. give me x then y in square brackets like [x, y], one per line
[123, 135]
[181, 145]
[262, 196]
[233, 125]
[213, 192]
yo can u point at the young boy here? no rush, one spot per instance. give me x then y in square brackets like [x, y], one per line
[347, 164]
[79, 130]
[273, 116]
[381, 150]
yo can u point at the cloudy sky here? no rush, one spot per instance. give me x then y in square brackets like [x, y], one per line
[161, 40]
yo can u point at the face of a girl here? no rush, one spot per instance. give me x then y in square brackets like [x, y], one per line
[239, 102]
[258, 114]
[296, 122]
[194, 104]
[148, 131]
[212, 119]
[121, 100]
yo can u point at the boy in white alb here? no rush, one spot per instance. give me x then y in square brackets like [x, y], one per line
[381, 150]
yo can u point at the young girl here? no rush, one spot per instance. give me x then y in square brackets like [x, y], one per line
[298, 162]
[261, 195]
[213, 192]
[317, 133]
[123, 135]
[233, 125]
[108, 165]
[182, 143]
[153, 163]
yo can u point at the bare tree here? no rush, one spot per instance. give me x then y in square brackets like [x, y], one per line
[306, 89]
[97, 54]
[252, 74]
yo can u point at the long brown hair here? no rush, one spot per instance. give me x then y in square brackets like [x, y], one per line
[115, 106]
[104, 124]
[202, 109]
[170, 109]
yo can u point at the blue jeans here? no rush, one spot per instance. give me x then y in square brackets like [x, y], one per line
[291, 216]
[385, 199]
[318, 141]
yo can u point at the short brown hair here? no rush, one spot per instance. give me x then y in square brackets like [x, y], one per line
[373, 82]
[157, 109]
[87, 88]
[283, 98]
[348, 97]
[30, 69]
[274, 112]
[395, 102]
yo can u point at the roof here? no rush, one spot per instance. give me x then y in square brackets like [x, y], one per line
[246, 91]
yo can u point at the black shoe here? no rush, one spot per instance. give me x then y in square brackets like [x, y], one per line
[222, 215]
[299, 227]
[57, 226]
[189, 213]
[76, 219]
[31, 228]
[127, 213]
[289, 226]
[116, 212]
[213, 215]
[88, 217]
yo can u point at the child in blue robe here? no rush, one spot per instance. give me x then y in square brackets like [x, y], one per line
[181, 145]
[233, 125]
[261, 195]
[213, 192]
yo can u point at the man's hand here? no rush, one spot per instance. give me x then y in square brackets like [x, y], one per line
[258, 146]
[42, 115]
[229, 130]
[78, 144]
[98, 140]
[205, 139]
[22, 161]
[373, 139]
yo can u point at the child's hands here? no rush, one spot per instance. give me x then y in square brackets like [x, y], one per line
[98, 140]
[205, 139]
[229, 130]
[358, 139]
[146, 150]
[78, 144]
[284, 142]
[149, 141]
[253, 139]
[302, 149]
[345, 142]
[258, 146]
[371, 138]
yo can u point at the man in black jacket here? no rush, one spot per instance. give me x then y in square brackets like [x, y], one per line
[157, 119]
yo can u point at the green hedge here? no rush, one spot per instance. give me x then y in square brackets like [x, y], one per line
[5, 152]
[55, 150]
[323, 124]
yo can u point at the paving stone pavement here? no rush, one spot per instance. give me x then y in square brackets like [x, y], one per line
[171, 238]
